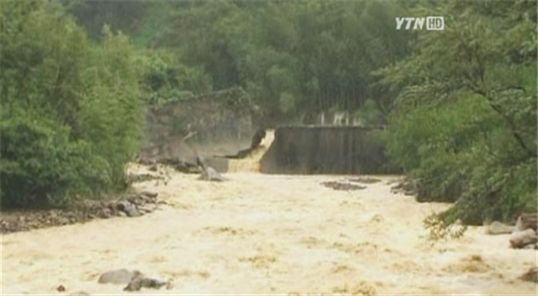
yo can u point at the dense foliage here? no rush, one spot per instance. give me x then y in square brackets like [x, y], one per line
[294, 58]
[465, 123]
[70, 109]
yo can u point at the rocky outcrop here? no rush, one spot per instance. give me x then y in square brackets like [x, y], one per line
[217, 123]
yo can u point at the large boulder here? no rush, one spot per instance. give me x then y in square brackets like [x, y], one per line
[521, 239]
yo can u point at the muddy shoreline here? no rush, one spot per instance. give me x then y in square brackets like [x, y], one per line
[131, 204]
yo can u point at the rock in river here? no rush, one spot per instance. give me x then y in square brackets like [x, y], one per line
[118, 276]
[499, 228]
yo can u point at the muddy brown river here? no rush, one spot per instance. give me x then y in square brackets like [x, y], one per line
[268, 234]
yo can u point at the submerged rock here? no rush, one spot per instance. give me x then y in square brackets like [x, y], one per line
[140, 281]
[128, 208]
[150, 194]
[531, 275]
[210, 174]
[118, 276]
[499, 228]
[342, 185]
[365, 180]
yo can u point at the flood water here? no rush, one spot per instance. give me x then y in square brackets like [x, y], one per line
[268, 234]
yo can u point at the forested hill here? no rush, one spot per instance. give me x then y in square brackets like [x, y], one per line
[294, 57]
[460, 104]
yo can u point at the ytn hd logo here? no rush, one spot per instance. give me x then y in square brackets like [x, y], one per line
[433, 23]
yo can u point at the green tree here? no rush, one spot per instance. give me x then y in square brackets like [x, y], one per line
[465, 121]
[71, 112]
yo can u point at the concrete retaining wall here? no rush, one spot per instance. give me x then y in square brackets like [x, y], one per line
[326, 150]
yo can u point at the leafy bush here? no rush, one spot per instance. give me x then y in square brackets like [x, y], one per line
[167, 80]
[460, 152]
[72, 111]
[464, 126]
[427, 142]
[40, 165]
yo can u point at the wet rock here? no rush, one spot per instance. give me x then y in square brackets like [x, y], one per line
[128, 208]
[210, 174]
[118, 276]
[136, 201]
[169, 285]
[365, 180]
[531, 247]
[531, 275]
[146, 209]
[140, 281]
[63, 221]
[526, 221]
[132, 205]
[521, 239]
[105, 213]
[342, 186]
[153, 167]
[151, 194]
[499, 228]
[142, 178]
[405, 187]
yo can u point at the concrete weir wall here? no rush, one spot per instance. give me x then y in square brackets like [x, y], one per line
[326, 150]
